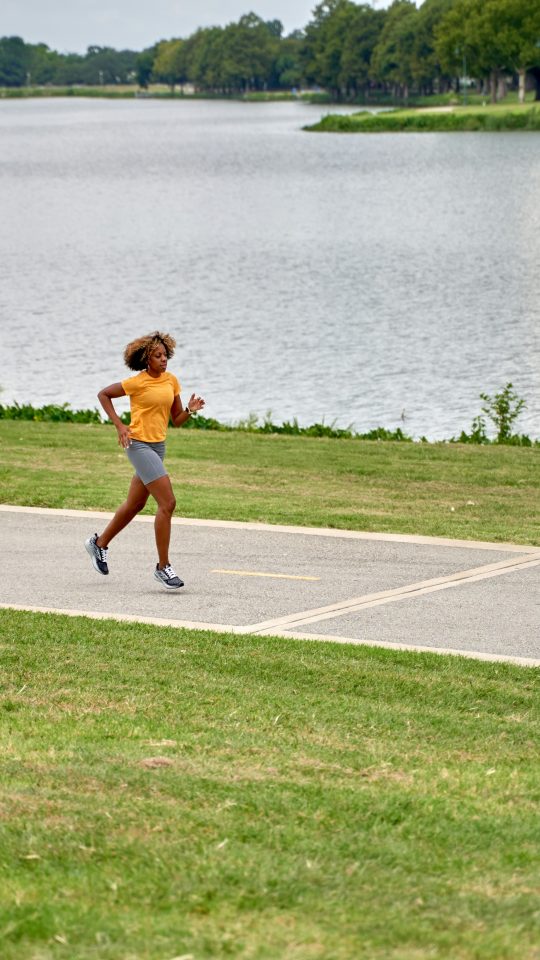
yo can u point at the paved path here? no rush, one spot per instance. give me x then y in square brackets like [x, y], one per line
[422, 593]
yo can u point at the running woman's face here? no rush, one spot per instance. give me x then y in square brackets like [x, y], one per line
[157, 361]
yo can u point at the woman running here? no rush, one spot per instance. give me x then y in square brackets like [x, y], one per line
[154, 398]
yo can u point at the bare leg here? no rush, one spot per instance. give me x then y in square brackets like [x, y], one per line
[163, 494]
[136, 500]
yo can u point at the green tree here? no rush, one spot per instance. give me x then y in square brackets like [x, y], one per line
[393, 57]
[70, 70]
[517, 24]
[15, 57]
[477, 29]
[324, 42]
[427, 71]
[287, 68]
[144, 65]
[43, 64]
[362, 35]
[249, 50]
[110, 66]
[170, 63]
[275, 28]
[204, 56]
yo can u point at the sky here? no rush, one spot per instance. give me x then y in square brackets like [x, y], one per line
[74, 25]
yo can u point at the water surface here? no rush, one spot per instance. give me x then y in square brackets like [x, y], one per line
[379, 279]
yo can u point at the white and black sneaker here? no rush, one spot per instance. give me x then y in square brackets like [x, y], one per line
[167, 577]
[98, 554]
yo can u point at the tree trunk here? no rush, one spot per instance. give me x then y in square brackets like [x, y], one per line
[493, 85]
[521, 74]
[501, 88]
[535, 74]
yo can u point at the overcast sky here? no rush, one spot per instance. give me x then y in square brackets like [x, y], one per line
[74, 25]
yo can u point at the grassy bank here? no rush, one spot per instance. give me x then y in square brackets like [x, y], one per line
[496, 118]
[113, 92]
[126, 92]
[155, 91]
[175, 794]
[375, 98]
[454, 490]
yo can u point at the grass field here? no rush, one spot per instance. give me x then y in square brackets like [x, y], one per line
[445, 120]
[170, 794]
[451, 490]
[174, 794]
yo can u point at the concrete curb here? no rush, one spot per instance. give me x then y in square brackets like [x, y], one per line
[282, 528]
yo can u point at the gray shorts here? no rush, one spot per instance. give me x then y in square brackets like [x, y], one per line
[147, 460]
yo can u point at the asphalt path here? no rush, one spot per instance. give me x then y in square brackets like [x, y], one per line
[475, 599]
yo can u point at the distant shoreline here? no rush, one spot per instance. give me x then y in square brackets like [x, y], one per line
[135, 93]
[437, 113]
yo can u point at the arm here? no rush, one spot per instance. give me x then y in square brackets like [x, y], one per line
[179, 415]
[105, 398]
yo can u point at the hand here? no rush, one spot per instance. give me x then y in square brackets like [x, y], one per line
[195, 403]
[124, 438]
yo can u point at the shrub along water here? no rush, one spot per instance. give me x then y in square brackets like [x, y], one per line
[502, 409]
[64, 413]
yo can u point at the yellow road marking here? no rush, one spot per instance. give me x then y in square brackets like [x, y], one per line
[256, 573]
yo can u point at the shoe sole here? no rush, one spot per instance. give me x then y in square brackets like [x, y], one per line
[90, 550]
[166, 586]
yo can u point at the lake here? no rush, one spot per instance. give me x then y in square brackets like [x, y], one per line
[370, 280]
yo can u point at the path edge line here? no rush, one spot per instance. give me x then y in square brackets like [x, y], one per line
[406, 592]
[245, 631]
[283, 528]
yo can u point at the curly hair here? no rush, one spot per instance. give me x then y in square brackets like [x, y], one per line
[137, 352]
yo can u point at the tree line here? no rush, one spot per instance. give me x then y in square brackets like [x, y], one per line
[349, 49]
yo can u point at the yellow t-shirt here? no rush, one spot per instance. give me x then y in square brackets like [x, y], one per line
[151, 399]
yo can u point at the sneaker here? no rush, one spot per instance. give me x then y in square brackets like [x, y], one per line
[168, 578]
[98, 554]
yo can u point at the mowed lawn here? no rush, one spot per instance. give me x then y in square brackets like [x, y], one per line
[172, 794]
[450, 490]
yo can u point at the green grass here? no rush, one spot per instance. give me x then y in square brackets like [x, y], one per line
[270, 96]
[473, 99]
[488, 118]
[316, 802]
[159, 91]
[120, 91]
[452, 490]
